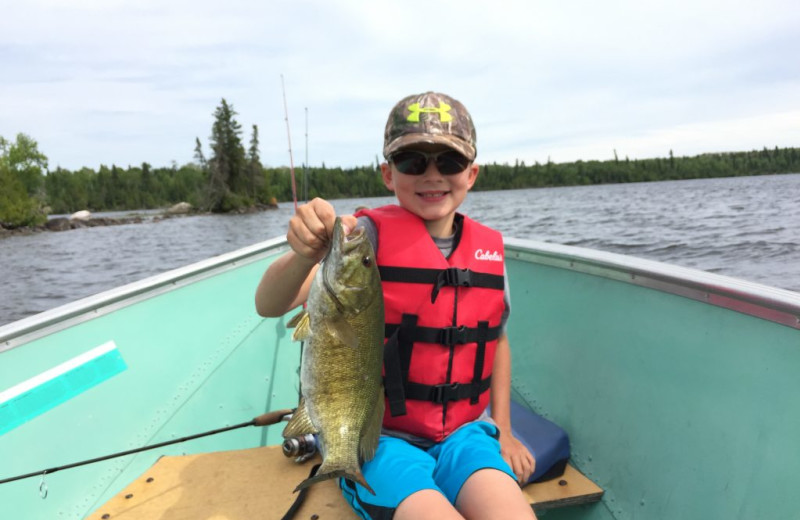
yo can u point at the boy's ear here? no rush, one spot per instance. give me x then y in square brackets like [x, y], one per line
[474, 169]
[386, 174]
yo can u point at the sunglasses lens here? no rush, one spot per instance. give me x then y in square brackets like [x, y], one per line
[450, 163]
[415, 163]
[410, 163]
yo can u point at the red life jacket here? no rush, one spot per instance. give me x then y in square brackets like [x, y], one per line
[442, 321]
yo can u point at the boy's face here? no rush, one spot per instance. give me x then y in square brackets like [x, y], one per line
[431, 196]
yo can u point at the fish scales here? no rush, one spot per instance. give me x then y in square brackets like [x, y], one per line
[342, 390]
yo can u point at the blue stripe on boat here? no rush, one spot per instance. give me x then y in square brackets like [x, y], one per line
[29, 399]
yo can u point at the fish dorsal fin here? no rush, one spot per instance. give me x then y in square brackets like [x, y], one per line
[300, 423]
[372, 431]
[302, 326]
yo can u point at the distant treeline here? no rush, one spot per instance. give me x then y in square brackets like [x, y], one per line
[233, 177]
[142, 186]
[731, 164]
[365, 181]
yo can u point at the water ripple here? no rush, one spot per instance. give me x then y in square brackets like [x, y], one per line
[718, 225]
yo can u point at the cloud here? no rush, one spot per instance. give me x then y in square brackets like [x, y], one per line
[131, 81]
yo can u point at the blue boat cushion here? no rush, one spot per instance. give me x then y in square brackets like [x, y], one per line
[548, 443]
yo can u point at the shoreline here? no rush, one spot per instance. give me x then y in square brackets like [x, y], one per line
[59, 224]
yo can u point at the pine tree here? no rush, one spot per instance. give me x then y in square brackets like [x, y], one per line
[226, 168]
[254, 168]
[198, 153]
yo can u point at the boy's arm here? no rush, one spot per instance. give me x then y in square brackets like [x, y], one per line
[286, 283]
[514, 452]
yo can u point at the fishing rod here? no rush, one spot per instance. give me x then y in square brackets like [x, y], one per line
[266, 419]
[289, 136]
[305, 165]
[294, 184]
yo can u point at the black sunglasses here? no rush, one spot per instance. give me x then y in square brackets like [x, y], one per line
[413, 162]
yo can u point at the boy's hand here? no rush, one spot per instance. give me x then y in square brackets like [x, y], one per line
[517, 456]
[311, 228]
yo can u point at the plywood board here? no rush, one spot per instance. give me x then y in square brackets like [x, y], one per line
[259, 483]
[572, 488]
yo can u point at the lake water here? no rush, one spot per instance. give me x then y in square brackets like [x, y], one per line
[747, 227]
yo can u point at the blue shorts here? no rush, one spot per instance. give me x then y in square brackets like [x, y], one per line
[400, 469]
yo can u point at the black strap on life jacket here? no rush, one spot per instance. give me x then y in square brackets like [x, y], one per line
[447, 336]
[397, 359]
[395, 366]
[402, 336]
[480, 355]
[446, 392]
[451, 277]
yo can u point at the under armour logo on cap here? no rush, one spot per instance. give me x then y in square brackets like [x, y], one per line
[443, 110]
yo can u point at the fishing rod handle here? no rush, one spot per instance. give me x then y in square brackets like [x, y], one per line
[270, 418]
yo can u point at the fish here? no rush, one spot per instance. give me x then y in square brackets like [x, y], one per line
[342, 399]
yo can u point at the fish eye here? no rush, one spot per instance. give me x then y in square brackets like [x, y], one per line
[366, 261]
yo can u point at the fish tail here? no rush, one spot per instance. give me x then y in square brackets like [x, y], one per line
[352, 474]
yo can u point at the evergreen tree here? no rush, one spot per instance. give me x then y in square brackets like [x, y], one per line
[227, 181]
[255, 172]
[147, 190]
[198, 153]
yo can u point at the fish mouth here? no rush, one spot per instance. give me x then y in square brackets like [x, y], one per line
[346, 243]
[341, 245]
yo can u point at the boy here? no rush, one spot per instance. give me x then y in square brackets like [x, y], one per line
[440, 455]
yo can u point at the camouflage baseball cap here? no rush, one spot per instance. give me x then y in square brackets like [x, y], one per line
[430, 118]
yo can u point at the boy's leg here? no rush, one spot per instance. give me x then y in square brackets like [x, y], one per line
[399, 471]
[489, 493]
[426, 505]
[471, 472]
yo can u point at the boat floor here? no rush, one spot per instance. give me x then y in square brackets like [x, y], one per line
[259, 483]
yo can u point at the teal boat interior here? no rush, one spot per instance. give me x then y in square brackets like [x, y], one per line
[677, 387]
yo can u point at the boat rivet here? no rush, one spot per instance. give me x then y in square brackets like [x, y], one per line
[106, 516]
[150, 479]
[128, 496]
[562, 482]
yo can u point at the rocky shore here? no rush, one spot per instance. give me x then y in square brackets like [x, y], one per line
[84, 219]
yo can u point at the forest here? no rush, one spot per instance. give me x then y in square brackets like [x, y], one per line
[233, 178]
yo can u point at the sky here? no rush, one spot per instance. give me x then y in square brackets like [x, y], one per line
[102, 82]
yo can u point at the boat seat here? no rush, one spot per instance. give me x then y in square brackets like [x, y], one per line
[258, 483]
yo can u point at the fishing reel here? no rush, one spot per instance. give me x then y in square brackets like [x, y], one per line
[302, 447]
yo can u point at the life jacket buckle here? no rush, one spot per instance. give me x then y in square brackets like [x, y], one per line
[445, 392]
[455, 277]
[453, 335]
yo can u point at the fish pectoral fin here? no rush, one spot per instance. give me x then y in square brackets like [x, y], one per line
[296, 319]
[372, 431]
[343, 332]
[300, 423]
[302, 326]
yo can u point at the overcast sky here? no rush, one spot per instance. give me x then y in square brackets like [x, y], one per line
[124, 82]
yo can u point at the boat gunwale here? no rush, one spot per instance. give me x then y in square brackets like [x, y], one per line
[47, 322]
[759, 300]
